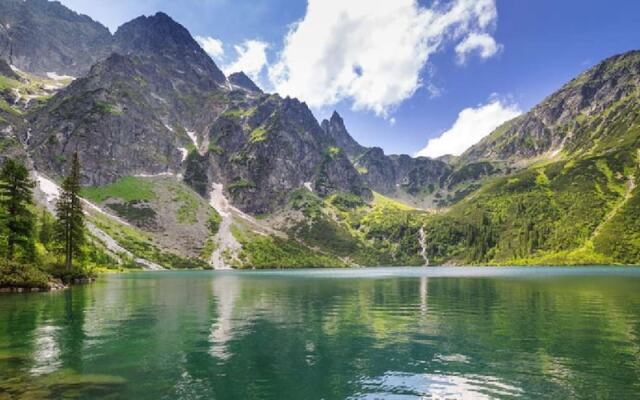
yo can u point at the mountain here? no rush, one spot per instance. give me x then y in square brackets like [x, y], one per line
[571, 194]
[262, 149]
[7, 71]
[134, 111]
[557, 185]
[241, 80]
[41, 36]
[184, 167]
[161, 40]
[401, 176]
[111, 118]
[144, 109]
[335, 128]
[572, 120]
[415, 181]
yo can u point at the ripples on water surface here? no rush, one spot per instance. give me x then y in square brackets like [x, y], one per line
[442, 333]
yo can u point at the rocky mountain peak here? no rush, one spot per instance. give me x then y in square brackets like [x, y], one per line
[337, 131]
[159, 36]
[41, 36]
[242, 80]
[565, 121]
[156, 33]
[375, 152]
[336, 118]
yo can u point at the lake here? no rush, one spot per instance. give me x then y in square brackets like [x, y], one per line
[401, 333]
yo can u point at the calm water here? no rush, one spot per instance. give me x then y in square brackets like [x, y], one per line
[353, 334]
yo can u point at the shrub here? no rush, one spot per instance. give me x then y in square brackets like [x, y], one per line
[17, 275]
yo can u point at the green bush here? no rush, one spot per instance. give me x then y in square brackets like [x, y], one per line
[17, 275]
[76, 274]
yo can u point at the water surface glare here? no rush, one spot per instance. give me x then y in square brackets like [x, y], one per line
[383, 333]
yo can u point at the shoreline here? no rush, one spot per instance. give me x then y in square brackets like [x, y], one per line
[54, 285]
[379, 267]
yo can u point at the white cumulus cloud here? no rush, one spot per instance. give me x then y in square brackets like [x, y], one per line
[472, 125]
[251, 59]
[214, 47]
[370, 53]
[482, 43]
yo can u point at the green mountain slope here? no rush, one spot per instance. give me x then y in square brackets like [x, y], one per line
[556, 213]
[594, 113]
[197, 169]
[576, 201]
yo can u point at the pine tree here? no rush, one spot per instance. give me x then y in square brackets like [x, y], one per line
[70, 218]
[46, 228]
[16, 197]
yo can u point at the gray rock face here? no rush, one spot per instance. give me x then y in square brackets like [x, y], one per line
[336, 129]
[387, 174]
[111, 119]
[10, 120]
[377, 170]
[134, 113]
[40, 36]
[551, 125]
[265, 150]
[5, 70]
[167, 43]
[415, 175]
[131, 113]
[240, 79]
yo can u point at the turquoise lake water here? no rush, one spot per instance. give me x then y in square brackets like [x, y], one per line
[401, 333]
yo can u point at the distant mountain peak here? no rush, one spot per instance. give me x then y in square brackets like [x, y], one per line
[562, 123]
[153, 33]
[162, 15]
[242, 80]
[335, 128]
[160, 36]
[40, 36]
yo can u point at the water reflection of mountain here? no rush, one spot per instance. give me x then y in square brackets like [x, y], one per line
[263, 336]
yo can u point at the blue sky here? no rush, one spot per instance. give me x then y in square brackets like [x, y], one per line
[402, 72]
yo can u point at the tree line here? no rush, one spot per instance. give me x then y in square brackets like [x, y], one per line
[64, 233]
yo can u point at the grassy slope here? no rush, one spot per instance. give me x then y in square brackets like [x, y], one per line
[582, 208]
[384, 232]
[137, 203]
[142, 244]
[579, 207]
[567, 212]
[126, 189]
[262, 252]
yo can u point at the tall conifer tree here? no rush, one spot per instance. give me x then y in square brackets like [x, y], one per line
[46, 228]
[70, 217]
[16, 198]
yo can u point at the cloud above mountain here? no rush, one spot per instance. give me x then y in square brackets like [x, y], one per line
[214, 47]
[481, 43]
[370, 55]
[472, 125]
[251, 58]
